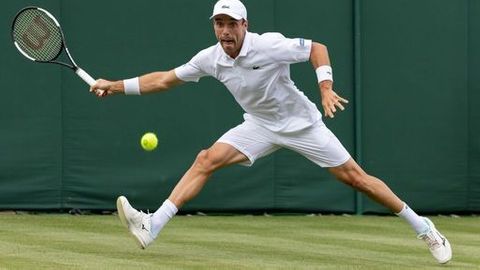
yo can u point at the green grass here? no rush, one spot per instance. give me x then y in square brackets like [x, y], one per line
[232, 242]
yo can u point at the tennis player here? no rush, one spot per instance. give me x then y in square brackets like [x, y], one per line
[256, 70]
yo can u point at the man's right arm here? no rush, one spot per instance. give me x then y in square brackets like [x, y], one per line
[148, 83]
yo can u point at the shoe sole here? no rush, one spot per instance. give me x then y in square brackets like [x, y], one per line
[123, 219]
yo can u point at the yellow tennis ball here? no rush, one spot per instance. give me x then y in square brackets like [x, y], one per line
[149, 141]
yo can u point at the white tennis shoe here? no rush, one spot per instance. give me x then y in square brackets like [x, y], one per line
[437, 243]
[138, 223]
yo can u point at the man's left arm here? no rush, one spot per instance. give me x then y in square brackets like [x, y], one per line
[321, 63]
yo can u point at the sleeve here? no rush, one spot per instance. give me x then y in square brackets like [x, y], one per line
[286, 50]
[193, 70]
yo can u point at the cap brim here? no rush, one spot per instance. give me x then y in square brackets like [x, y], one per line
[233, 15]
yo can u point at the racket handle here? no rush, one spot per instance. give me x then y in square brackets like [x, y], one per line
[87, 78]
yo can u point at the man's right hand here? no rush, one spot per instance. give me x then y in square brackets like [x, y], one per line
[104, 88]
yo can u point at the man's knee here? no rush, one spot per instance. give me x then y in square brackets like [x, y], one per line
[206, 161]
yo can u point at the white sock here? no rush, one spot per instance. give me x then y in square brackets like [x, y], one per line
[416, 221]
[162, 216]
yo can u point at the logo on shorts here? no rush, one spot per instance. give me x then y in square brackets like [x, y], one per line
[302, 42]
[255, 67]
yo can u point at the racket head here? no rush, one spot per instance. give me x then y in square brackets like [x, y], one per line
[37, 34]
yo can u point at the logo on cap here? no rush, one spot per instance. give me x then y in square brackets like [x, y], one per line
[232, 8]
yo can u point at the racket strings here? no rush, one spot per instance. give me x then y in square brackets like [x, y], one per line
[37, 35]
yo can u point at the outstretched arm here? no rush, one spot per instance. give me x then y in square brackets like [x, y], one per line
[321, 63]
[148, 83]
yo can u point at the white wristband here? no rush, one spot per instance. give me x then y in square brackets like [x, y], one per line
[132, 86]
[324, 73]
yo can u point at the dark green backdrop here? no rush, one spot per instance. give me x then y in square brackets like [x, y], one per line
[408, 67]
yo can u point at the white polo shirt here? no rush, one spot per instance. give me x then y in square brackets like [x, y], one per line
[259, 79]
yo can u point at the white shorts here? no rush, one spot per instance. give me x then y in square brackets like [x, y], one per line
[317, 143]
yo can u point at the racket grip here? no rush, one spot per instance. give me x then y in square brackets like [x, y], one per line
[87, 78]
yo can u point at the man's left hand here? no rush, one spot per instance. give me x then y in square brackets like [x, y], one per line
[330, 100]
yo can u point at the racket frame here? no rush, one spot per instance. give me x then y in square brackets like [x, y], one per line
[80, 72]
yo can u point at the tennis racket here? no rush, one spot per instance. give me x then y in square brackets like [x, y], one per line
[38, 36]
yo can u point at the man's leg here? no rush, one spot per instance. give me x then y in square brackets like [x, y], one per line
[254, 142]
[218, 156]
[351, 174]
[321, 146]
[145, 228]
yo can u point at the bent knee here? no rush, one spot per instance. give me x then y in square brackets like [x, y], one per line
[206, 162]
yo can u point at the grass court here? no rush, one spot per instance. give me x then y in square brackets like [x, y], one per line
[61, 241]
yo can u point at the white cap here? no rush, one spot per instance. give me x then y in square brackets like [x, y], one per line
[232, 8]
